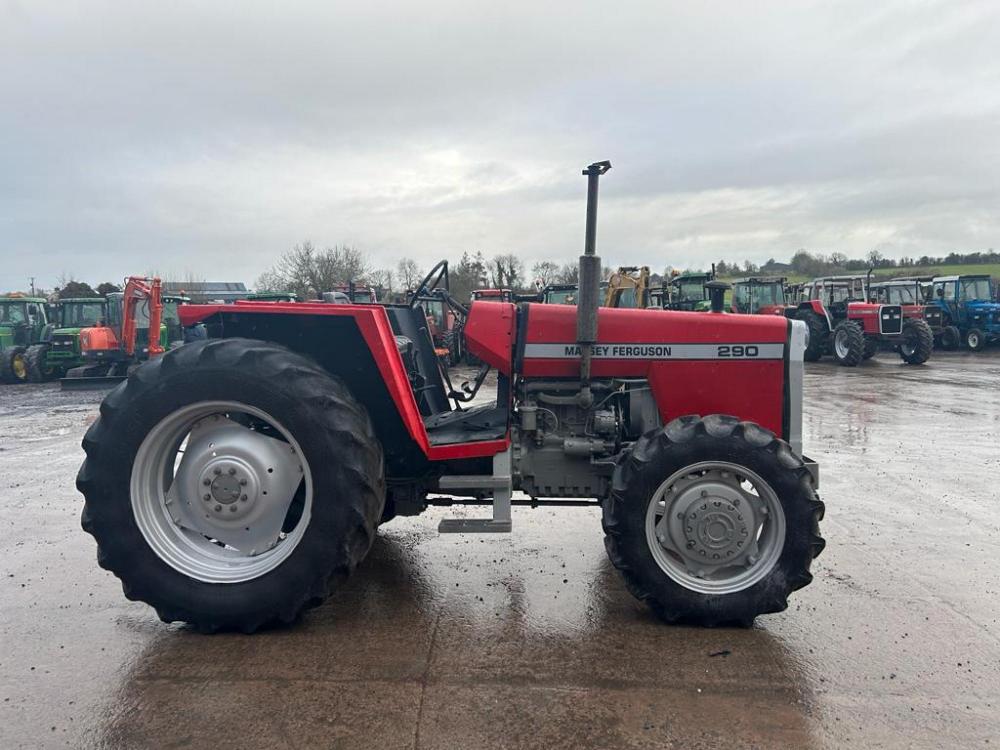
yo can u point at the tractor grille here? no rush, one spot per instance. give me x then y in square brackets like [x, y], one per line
[890, 319]
[63, 343]
[933, 317]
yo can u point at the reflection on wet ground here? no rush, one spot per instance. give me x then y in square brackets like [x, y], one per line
[531, 640]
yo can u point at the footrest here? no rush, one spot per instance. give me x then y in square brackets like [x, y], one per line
[473, 526]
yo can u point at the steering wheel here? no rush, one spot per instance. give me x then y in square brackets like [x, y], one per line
[429, 282]
[428, 287]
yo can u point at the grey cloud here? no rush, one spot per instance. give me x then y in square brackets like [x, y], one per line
[209, 138]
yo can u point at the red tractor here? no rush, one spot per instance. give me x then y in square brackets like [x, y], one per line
[232, 481]
[923, 324]
[492, 295]
[843, 322]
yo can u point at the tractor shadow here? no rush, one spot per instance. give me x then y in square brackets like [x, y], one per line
[461, 643]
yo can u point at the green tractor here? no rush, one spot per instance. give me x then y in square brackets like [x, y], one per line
[59, 348]
[23, 321]
[689, 291]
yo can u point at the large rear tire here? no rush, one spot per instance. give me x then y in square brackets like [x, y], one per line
[918, 342]
[950, 338]
[818, 334]
[279, 486]
[13, 367]
[692, 541]
[39, 371]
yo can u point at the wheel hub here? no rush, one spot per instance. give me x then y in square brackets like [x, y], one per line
[233, 488]
[234, 485]
[715, 530]
[709, 524]
[213, 487]
[715, 527]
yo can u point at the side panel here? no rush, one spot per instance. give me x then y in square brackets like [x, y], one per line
[749, 390]
[489, 333]
[700, 363]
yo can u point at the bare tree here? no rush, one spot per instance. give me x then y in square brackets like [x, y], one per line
[408, 273]
[569, 274]
[506, 271]
[544, 272]
[382, 279]
[308, 272]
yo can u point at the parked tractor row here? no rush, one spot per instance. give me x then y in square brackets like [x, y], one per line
[907, 315]
[40, 341]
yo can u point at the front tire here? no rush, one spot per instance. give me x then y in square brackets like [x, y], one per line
[253, 418]
[39, 371]
[975, 340]
[13, 367]
[918, 342]
[848, 343]
[694, 563]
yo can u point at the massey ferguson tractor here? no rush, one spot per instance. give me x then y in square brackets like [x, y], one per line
[842, 322]
[908, 294]
[231, 482]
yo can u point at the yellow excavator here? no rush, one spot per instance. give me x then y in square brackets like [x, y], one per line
[628, 287]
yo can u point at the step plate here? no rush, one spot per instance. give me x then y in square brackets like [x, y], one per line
[473, 526]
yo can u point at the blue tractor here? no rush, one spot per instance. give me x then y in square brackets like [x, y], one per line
[969, 313]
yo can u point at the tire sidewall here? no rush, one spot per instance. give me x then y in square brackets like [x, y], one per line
[977, 334]
[151, 578]
[796, 553]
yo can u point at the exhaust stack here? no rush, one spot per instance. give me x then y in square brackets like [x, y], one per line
[590, 283]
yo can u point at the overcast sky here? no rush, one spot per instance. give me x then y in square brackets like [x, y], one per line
[206, 138]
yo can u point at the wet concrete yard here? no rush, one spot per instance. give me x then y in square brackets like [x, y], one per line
[531, 640]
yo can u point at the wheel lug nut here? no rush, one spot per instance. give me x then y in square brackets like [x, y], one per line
[704, 493]
[243, 482]
[206, 481]
[243, 498]
[232, 471]
[207, 497]
[232, 508]
[218, 508]
[216, 471]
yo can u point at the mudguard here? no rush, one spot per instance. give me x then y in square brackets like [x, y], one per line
[333, 335]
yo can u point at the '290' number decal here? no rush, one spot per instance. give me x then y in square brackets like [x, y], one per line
[738, 350]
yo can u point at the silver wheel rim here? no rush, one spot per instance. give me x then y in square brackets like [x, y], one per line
[840, 344]
[715, 527]
[973, 341]
[211, 495]
[909, 346]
